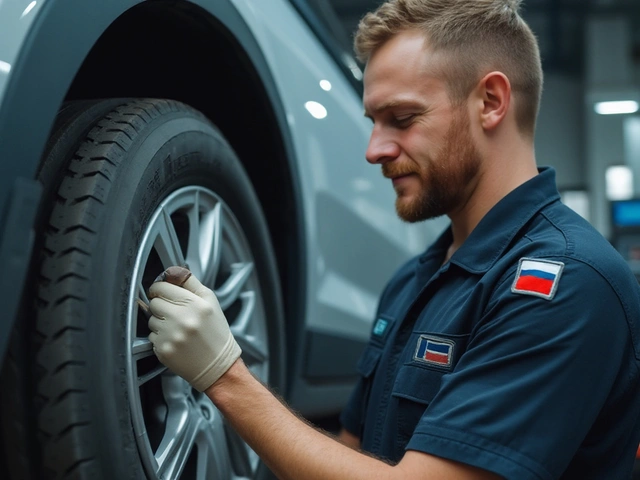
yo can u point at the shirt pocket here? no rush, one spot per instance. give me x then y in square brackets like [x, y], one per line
[419, 378]
[413, 390]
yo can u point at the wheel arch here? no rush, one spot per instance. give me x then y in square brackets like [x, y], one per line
[200, 53]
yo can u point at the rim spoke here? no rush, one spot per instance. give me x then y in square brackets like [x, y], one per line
[141, 348]
[213, 460]
[254, 351]
[182, 428]
[229, 292]
[142, 294]
[241, 322]
[159, 370]
[196, 241]
[211, 250]
[167, 244]
[238, 453]
[214, 246]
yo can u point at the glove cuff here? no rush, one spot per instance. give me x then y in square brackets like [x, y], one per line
[218, 366]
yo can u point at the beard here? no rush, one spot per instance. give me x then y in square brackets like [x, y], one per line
[445, 178]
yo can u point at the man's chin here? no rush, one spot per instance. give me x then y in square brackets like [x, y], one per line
[414, 211]
[408, 211]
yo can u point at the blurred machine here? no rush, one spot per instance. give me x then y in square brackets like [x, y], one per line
[625, 231]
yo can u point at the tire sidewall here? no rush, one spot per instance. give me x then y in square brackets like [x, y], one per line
[175, 150]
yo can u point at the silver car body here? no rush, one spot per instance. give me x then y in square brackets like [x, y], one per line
[353, 240]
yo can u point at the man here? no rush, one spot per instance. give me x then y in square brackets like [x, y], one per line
[510, 348]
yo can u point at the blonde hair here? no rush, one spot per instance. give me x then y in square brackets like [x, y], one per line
[476, 36]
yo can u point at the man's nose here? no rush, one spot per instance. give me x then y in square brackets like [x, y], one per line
[381, 148]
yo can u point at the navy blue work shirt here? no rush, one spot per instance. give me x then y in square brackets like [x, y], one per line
[520, 355]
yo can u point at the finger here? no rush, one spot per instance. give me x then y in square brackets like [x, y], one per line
[155, 325]
[153, 338]
[176, 275]
[171, 293]
[163, 309]
[193, 285]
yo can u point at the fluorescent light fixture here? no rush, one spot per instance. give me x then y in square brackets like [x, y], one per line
[578, 201]
[5, 67]
[617, 108]
[619, 181]
[325, 85]
[316, 110]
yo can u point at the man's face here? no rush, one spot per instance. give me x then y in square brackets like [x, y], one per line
[422, 141]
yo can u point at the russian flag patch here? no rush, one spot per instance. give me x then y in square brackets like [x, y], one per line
[537, 277]
[434, 351]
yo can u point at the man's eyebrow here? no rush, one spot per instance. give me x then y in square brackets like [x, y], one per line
[392, 104]
[382, 107]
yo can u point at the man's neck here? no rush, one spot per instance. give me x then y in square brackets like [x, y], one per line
[490, 189]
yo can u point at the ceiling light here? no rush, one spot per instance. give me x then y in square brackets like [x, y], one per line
[619, 182]
[617, 108]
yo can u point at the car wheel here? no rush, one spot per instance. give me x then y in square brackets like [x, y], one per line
[152, 184]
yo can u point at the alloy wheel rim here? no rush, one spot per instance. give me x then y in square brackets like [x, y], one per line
[178, 430]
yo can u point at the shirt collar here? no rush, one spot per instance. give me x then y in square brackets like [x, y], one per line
[499, 226]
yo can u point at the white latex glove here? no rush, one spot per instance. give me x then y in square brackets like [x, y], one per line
[189, 332]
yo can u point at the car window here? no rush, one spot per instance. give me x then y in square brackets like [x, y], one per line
[323, 21]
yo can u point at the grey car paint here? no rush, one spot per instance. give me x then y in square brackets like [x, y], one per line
[350, 238]
[35, 74]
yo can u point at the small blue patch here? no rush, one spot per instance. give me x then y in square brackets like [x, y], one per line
[380, 327]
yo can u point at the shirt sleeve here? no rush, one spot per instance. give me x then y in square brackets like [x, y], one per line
[532, 381]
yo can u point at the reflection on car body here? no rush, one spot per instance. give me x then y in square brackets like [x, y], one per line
[227, 135]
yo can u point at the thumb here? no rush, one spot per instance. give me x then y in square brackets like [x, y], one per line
[194, 286]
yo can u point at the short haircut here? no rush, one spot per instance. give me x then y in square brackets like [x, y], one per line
[475, 36]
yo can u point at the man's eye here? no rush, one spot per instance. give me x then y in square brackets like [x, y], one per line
[403, 121]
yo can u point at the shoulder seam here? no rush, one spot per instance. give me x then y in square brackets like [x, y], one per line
[569, 245]
[612, 284]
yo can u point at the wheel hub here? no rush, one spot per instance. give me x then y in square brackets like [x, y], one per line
[179, 432]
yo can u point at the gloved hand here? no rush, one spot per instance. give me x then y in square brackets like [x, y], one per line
[189, 332]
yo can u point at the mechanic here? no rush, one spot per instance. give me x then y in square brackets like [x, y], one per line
[509, 349]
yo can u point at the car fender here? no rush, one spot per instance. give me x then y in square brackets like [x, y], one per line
[44, 43]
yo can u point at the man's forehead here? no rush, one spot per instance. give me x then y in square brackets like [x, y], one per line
[406, 88]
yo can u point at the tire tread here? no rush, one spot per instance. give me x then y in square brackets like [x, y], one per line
[60, 335]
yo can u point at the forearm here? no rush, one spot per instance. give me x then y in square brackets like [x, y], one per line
[349, 439]
[291, 448]
[191, 336]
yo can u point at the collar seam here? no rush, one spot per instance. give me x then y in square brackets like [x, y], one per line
[499, 252]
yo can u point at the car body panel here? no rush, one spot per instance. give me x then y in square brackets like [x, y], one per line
[343, 195]
[352, 238]
[34, 80]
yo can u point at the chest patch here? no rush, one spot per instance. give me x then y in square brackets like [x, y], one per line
[537, 277]
[434, 351]
[380, 327]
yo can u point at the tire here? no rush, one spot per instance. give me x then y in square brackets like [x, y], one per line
[152, 183]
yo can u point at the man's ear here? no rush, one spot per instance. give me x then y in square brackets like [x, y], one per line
[495, 90]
